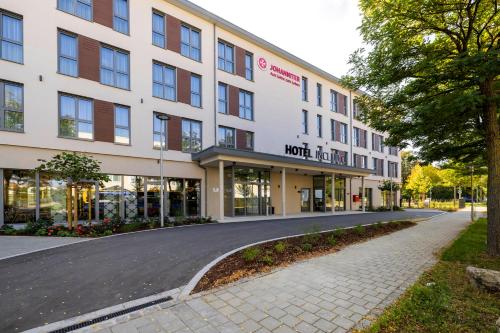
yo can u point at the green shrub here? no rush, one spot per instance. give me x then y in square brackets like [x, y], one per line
[33, 226]
[63, 233]
[332, 240]
[7, 229]
[359, 229]
[379, 225]
[267, 259]
[41, 232]
[306, 247]
[250, 254]
[280, 247]
[107, 233]
[339, 232]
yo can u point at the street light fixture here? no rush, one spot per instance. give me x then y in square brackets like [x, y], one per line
[163, 118]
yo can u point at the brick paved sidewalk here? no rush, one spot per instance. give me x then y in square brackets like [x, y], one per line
[332, 293]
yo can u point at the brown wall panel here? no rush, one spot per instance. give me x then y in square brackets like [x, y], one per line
[103, 12]
[337, 131]
[240, 61]
[341, 102]
[88, 58]
[104, 121]
[183, 86]
[241, 142]
[174, 133]
[173, 34]
[234, 101]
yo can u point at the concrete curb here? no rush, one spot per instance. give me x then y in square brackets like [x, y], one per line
[174, 293]
[186, 291]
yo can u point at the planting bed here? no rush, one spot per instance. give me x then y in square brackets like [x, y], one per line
[267, 256]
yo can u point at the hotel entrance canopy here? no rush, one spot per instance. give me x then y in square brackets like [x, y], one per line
[211, 157]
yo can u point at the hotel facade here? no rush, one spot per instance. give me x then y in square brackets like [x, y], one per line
[252, 130]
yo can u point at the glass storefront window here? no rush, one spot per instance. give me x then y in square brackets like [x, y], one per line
[175, 190]
[249, 193]
[19, 196]
[153, 196]
[193, 197]
[340, 184]
[133, 197]
[52, 199]
[109, 197]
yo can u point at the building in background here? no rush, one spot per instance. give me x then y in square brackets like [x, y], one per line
[253, 130]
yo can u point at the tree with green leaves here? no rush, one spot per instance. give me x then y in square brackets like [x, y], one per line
[422, 179]
[79, 171]
[431, 73]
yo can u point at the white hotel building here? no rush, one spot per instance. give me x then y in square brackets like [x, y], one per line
[246, 118]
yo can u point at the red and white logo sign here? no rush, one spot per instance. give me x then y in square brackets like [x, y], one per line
[262, 64]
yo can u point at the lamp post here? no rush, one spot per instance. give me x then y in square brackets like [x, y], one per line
[162, 118]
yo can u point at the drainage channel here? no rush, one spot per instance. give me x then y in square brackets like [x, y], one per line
[111, 315]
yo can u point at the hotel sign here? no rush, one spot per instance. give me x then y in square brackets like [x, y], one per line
[279, 73]
[321, 156]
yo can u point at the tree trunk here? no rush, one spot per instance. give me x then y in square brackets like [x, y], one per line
[75, 204]
[493, 152]
[69, 211]
[454, 196]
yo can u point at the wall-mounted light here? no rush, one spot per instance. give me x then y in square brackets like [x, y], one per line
[40, 77]
[142, 100]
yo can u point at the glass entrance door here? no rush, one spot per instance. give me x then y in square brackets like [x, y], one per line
[247, 191]
[319, 193]
[305, 200]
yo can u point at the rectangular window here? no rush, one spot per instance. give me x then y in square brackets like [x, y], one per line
[11, 106]
[393, 151]
[339, 157]
[226, 137]
[360, 161]
[343, 133]
[305, 122]
[249, 143]
[346, 105]
[333, 101]
[121, 16]
[191, 42]
[115, 67]
[332, 129]
[191, 136]
[392, 169]
[196, 90]
[122, 125]
[76, 117]
[304, 89]
[378, 166]
[246, 105]
[319, 125]
[11, 37]
[159, 132]
[319, 94]
[164, 82]
[159, 38]
[223, 103]
[68, 54]
[249, 66]
[377, 143]
[80, 8]
[226, 57]
[356, 111]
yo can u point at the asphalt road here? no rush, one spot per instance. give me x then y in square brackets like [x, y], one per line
[61, 283]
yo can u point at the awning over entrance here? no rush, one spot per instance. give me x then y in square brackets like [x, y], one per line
[213, 155]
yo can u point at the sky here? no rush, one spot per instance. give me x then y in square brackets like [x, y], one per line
[321, 32]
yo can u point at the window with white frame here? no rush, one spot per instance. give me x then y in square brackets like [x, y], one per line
[159, 132]
[11, 37]
[343, 133]
[11, 106]
[333, 101]
[115, 67]
[305, 122]
[122, 125]
[225, 57]
[378, 166]
[360, 161]
[80, 8]
[319, 126]
[249, 66]
[159, 35]
[304, 89]
[190, 42]
[249, 140]
[121, 16]
[393, 151]
[319, 94]
[196, 90]
[227, 137]
[191, 136]
[222, 98]
[76, 117]
[68, 54]
[392, 169]
[246, 105]
[164, 82]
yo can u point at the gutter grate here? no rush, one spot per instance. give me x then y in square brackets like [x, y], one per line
[111, 315]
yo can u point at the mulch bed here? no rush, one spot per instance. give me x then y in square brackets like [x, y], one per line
[235, 267]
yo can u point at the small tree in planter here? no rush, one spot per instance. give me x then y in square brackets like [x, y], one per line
[79, 171]
[386, 188]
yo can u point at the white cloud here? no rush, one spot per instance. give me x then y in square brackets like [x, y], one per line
[322, 32]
